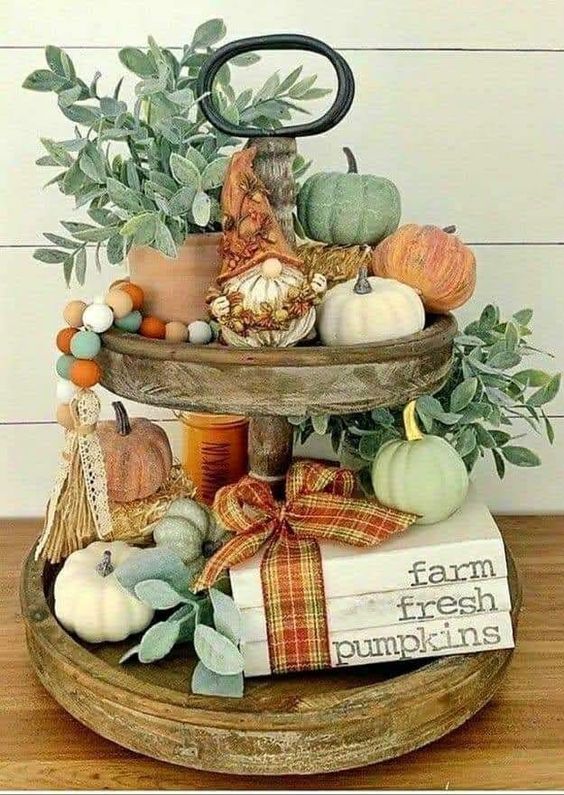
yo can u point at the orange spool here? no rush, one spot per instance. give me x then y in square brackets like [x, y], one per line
[214, 451]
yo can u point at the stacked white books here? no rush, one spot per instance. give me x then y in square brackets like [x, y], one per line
[431, 591]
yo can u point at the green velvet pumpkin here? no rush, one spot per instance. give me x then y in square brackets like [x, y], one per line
[190, 530]
[423, 475]
[348, 209]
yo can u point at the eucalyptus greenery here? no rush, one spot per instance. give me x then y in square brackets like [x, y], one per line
[211, 621]
[486, 393]
[152, 174]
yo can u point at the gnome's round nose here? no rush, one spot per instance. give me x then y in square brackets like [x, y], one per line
[271, 268]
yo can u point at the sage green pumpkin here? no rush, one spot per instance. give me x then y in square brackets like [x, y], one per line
[190, 530]
[423, 475]
[348, 209]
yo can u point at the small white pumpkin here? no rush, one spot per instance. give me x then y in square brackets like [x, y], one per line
[90, 601]
[367, 310]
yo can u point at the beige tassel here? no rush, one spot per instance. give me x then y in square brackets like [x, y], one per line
[77, 512]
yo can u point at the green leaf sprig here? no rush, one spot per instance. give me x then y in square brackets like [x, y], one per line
[485, 395]
[151, 174]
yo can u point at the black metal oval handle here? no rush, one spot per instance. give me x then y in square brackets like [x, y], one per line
[282, 41]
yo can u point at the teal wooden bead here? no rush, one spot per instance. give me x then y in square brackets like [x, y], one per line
[63, 365]
[85, 345]
[131, 322]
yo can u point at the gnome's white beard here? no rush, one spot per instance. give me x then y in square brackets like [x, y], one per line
[256, 288]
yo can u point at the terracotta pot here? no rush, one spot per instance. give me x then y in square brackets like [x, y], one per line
[175, 289]
[214, 451]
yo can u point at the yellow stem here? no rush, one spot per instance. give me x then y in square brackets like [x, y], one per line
[412, 430]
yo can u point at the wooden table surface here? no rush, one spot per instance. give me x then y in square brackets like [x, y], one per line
[516, 742]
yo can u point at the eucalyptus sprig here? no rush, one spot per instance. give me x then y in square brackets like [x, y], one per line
[484, 396]
[151, 174]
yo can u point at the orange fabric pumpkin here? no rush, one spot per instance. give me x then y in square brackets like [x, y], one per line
[137, 456]
[431, 260]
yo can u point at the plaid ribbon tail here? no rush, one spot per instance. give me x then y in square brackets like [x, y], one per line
[235, 551]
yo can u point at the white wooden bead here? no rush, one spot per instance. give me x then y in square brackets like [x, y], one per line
[98, 318]
[66, 390]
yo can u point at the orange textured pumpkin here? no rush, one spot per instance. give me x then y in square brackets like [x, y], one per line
[152, 327]
[431, 260]
[85, 373]
[137, 456]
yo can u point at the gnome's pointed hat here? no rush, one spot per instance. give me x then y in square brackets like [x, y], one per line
[251, 232]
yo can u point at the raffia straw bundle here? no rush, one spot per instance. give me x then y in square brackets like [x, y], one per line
[132, 520]
[336, 263]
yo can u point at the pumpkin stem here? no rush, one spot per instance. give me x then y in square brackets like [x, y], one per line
[122, 420]
[449, 229]
[105, 566]
[362, 285]
[351, 160]
[412, 429]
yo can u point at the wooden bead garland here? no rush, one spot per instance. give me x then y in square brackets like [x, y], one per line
[79, 343]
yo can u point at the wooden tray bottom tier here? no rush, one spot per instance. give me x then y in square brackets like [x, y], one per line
[298, 724]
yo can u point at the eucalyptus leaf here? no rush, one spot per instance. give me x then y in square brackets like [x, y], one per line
[45, 80]
[80, 265]
[546, 393]
[158, 563]
[217, 652]
[184, 171]
[208, 33]
[137, 61]
[50, 256]
[463, 394]
[320, 423]
[57, 152]
[520, 456]
[133, 652]
[214, 173]
[158, 594]
[201, 208]
[226, 615]
[58, 60]
[164, 241]
[63, 242]
[115, 250]
[208, 683]
[158, 641]
[181, 201]
[123, 196]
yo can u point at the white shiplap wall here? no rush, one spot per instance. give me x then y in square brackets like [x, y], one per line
[460, 103]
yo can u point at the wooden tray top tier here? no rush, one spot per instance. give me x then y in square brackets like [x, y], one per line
[278, 381]
[311, 723]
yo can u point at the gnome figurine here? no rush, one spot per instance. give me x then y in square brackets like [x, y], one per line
[262, 296]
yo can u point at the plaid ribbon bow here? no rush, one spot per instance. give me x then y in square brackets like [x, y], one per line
[319, 506]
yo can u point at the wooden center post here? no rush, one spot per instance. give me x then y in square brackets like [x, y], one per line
[270, 437]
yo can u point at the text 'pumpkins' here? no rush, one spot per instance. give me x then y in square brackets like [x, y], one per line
[433, 261]
[348, 209]
[423, 475]
[137, 456]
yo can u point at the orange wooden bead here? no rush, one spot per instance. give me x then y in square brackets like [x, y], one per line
[85, 373]
[134, 292]
[118, 283]
[64, 338]
[152, 327]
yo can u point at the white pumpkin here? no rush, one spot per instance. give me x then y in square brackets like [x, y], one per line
[90, 601]
[367, 310]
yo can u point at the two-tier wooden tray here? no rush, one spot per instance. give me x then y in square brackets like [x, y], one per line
[312, 723]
